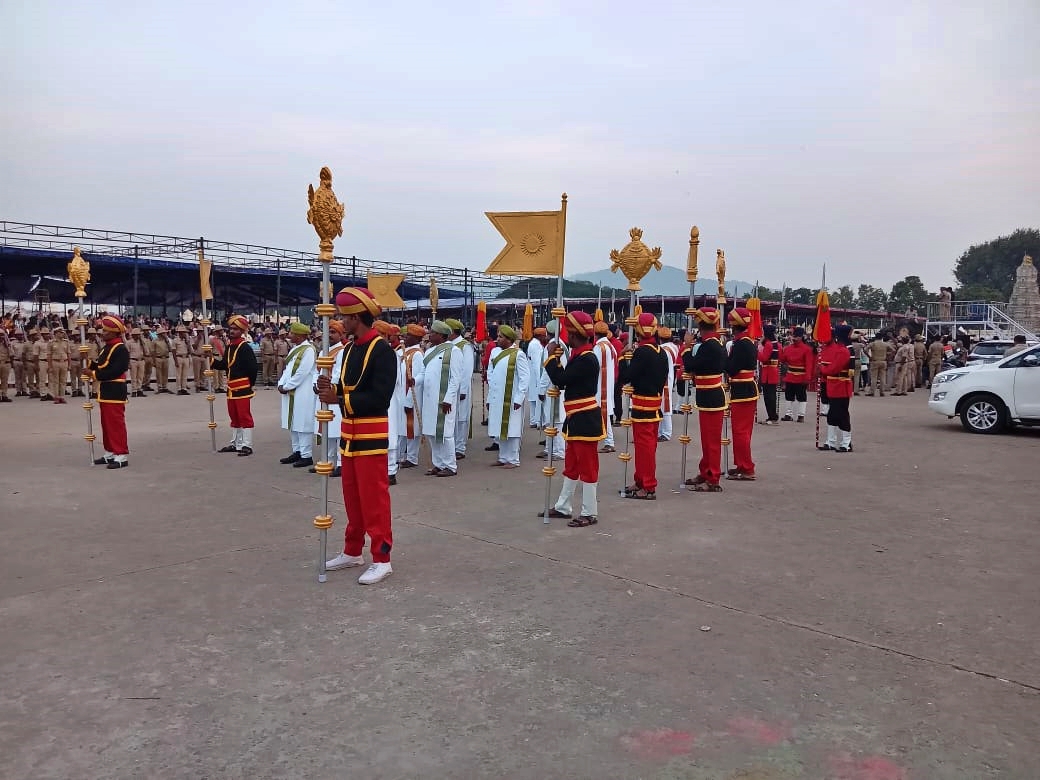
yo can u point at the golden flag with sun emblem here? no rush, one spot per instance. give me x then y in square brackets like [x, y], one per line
[534, 242]
[384, 288]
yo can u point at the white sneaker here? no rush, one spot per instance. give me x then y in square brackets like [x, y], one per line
[377, 572]
[344, 561]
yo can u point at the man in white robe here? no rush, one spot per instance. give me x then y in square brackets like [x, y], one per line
[296, 385]
[442, 377]
[411, 370]
[536, 355]
[552, 409]
[509, 374]
[337, 347]
[465, 410]
[604, 352]
[671, 353]
[392, 334]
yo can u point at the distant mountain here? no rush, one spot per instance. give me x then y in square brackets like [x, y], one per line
[668, 281]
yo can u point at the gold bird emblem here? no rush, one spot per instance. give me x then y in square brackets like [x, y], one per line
[325, 212]
[79, 272]
[635, 260]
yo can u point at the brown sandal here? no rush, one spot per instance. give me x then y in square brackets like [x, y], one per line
[707, 487]
[646, 495]
[583, 521]
[556, 514]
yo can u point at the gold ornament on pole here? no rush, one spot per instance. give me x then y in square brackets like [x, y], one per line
[720, 273]
[435, 297]
[687, 406]
[635, 262]
[326, 215]
[79, 275]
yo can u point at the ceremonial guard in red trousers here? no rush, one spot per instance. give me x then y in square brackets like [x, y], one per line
[799, 359]
[769, 372]
[239, 361]
[583, 427]
[363, 391]
[707, 363]
[743, 394]
[113, 361]
[648, 375]
[838, 370]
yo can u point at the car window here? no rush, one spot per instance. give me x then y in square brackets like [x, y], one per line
[1016, 360]
[991, 348]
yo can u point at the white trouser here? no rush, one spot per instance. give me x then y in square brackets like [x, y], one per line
[302, 442]
[443, 451]
[589, 504]
[236, 438]
[332, 449]
[536, 411]
[408, 449]
[609, 441]
[509, 450]
[846, 438]
[461, 435]
[832, 436]
[795, 409]
[245, 438]
[557, 442]
[665, 428]
[391, 459]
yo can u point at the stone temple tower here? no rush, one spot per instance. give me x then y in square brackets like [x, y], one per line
[1024, 306]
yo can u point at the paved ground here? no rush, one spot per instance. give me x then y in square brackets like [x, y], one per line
[872, 616]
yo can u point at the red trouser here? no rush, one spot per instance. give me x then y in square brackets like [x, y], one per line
[742, 415]
[711, 445]
[240, 413]
[644, 437]
[366, 496]
[581, 461]
[113, 427]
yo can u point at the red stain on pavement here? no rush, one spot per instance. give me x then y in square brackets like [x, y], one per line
[758, 731]
[658, 743]
[845, 767]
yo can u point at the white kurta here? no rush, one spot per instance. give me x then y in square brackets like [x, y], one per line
[604, 352]
[440, 385]
[671, 351]
[411, 365]
[337, 350]
[298, 377]
[395, 413]
[464, 354]
[543, 386]
[508, 367]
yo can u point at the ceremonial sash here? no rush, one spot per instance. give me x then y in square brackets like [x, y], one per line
[507, 401]
[445, 350]
[297, 353]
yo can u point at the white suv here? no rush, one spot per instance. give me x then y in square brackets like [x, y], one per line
[989, 396]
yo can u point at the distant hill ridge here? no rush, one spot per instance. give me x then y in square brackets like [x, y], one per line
[668, 281]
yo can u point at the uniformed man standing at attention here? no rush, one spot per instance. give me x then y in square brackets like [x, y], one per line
[136, 349]
[6, 351]
[161, 358]
[42, 353]
[268, 357]
[181, 358]
[878, 365]
[60, 355]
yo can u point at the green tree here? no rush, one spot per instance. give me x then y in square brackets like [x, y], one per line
[871, 298]
[801, 295]
[992, 265]
[907, 294]
[843, 297]
[544, 287]
[978, 292]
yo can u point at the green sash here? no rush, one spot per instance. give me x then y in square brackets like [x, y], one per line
[297, 356]
[443, 349]
[507, 401]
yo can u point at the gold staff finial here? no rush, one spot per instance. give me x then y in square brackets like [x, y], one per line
[325, 214]
[79, 272]
[635, 260]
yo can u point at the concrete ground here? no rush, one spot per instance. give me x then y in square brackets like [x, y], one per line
[871, 616]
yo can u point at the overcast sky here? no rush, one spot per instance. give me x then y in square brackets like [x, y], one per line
[882, 138]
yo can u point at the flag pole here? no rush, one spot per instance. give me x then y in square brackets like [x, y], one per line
[207, 348]
[554, 392]
[687, 407]
[720, 270]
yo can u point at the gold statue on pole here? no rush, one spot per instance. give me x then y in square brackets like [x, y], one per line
[79, 275]
[325, 213]
[720, 272]
[635, 260]
[79, 272]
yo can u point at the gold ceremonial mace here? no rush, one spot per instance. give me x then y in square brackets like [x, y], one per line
[207, 349]
[720, 272]
[635, 262]
[79, 275]
[326, 215]
[687, 407]
[435, 298]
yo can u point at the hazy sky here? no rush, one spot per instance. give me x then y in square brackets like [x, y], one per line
[881, 137]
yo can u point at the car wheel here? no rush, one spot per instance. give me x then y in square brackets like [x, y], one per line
[983, 414]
